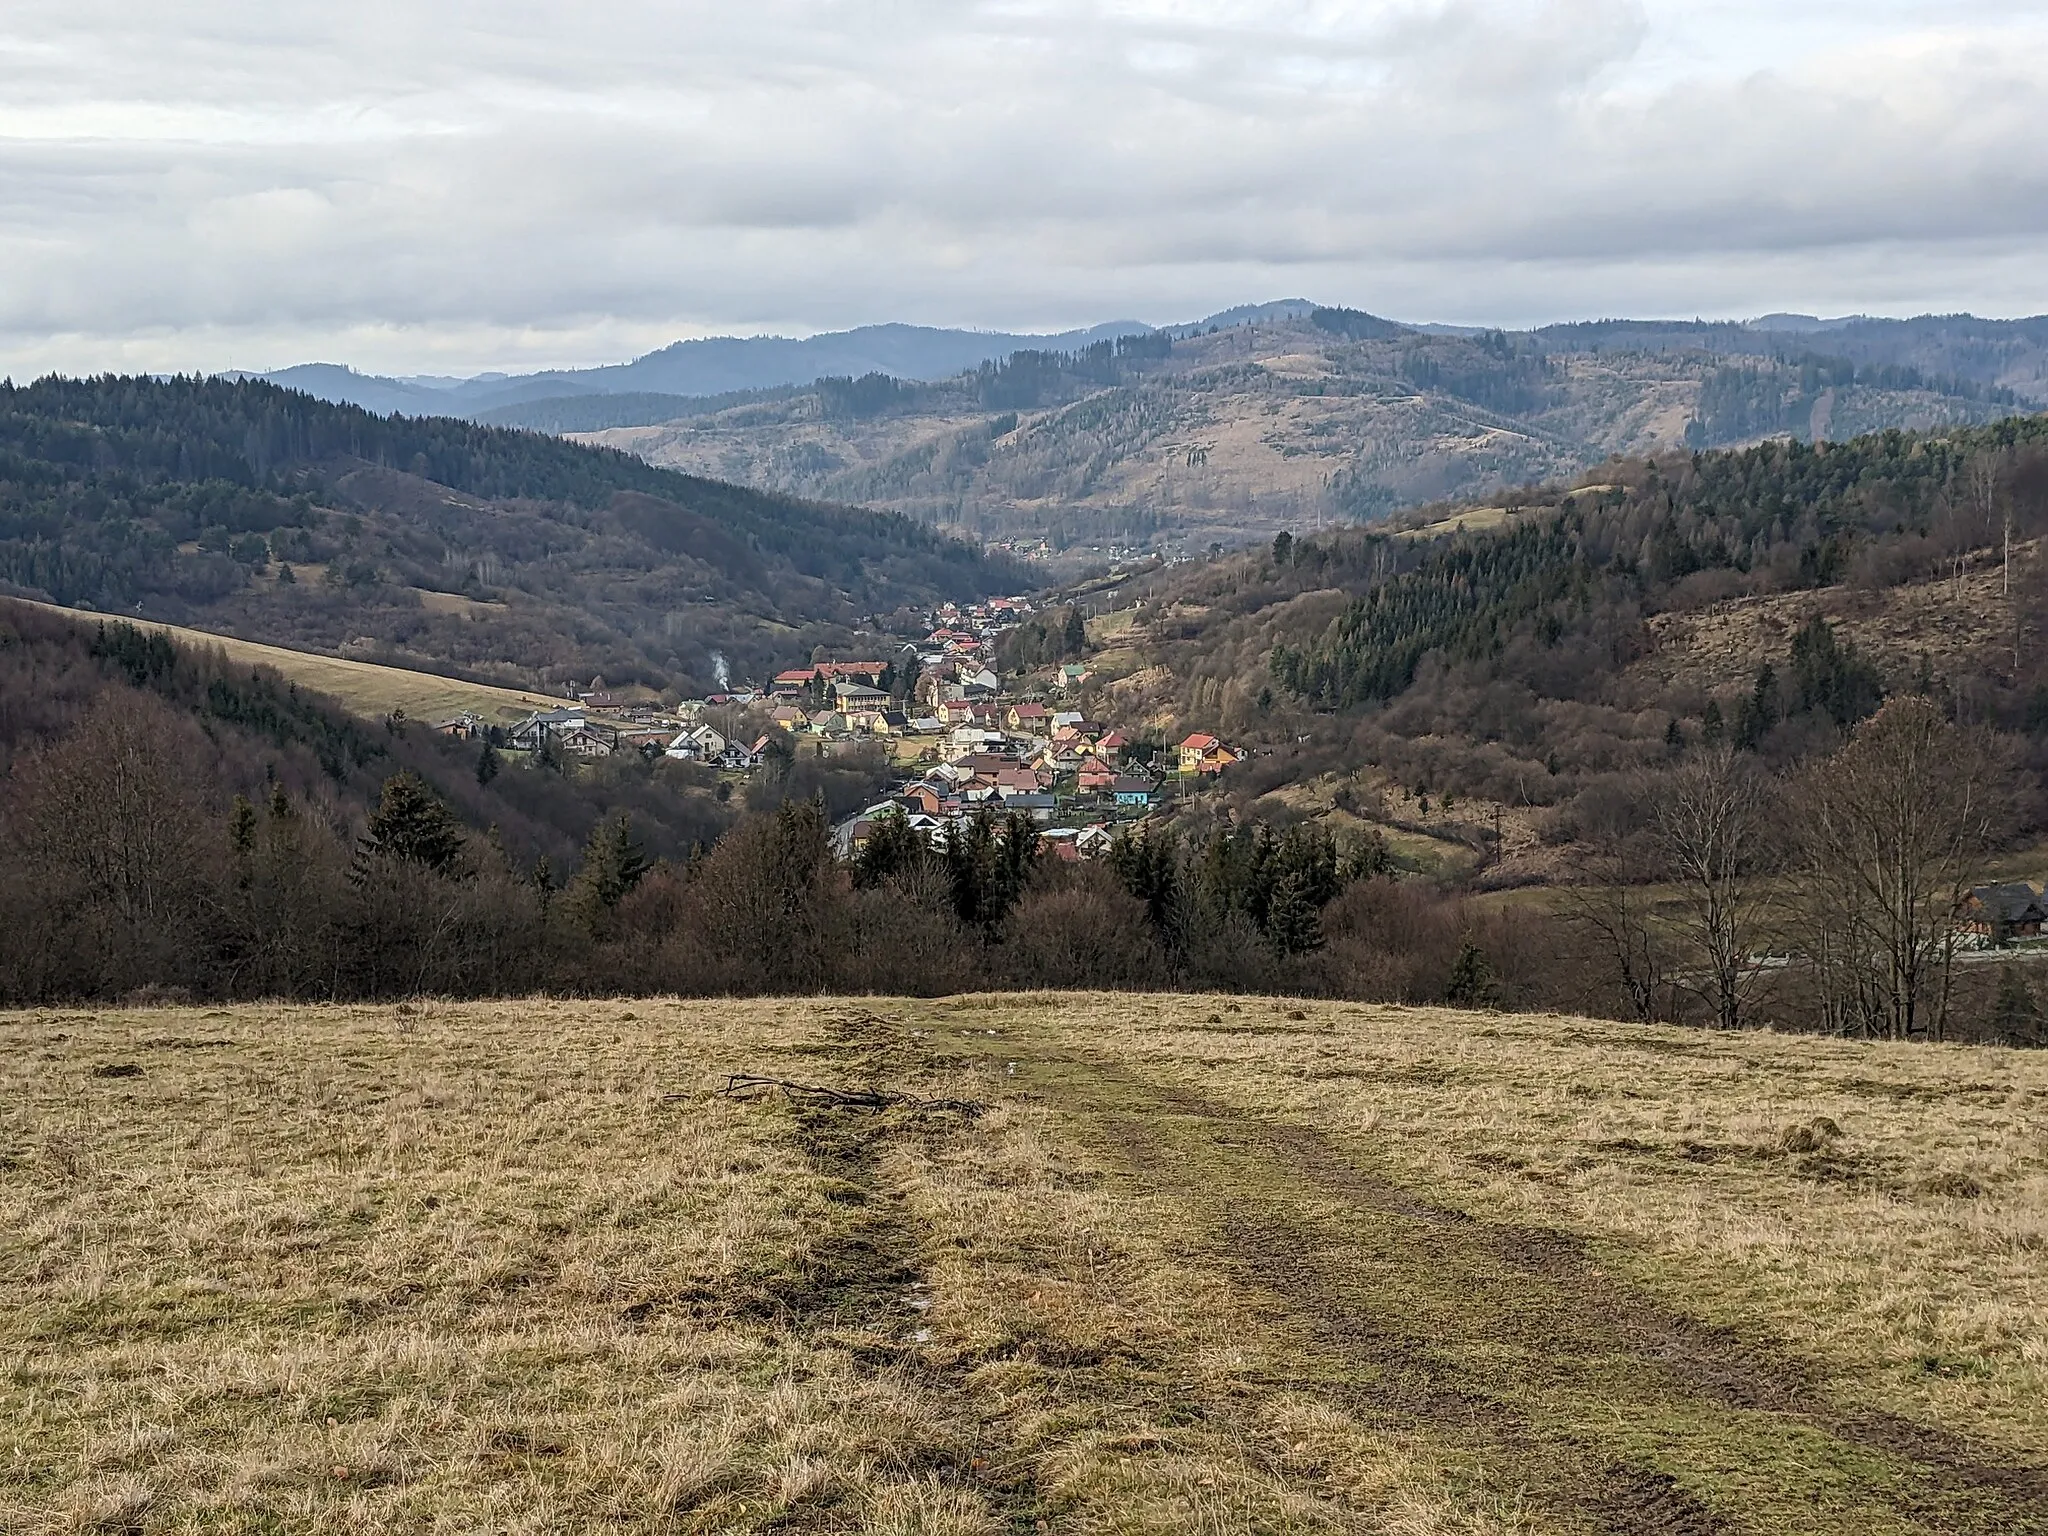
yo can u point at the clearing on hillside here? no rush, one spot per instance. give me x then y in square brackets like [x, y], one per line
[363, 687]
[1203, 1265]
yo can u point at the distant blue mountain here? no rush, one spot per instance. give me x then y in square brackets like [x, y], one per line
[718, 365]
[2009, 352]
[344, 386]
[1803, 325]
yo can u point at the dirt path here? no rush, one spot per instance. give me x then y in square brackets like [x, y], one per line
[1603, 1409]
[1536, 1382]
[861, 1283]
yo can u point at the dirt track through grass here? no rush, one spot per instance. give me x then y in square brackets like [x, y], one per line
[864, 1285]
[1207, 1267]
[1511, 1343]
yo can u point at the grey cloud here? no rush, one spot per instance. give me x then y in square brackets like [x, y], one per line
[472, 182]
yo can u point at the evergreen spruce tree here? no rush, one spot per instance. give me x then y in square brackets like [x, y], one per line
[1712, 728]
[487, 764]
[613, 861]
[1074, 638]
[1471, 983]
[1293, 925]
[411, 824]
[893, 848]
[1759, 712]
[242, 827]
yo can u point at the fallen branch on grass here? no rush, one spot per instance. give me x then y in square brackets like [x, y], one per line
[744, 1085]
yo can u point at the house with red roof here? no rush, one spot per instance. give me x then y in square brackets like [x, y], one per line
[1204, 754]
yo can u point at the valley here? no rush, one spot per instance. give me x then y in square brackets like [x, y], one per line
[1315, 767]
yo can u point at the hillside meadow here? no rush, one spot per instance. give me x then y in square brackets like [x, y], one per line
[1203, 1265]
[364, 688]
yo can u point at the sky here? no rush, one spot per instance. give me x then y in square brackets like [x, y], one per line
[451, 186]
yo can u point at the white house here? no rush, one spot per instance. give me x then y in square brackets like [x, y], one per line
[700, 743]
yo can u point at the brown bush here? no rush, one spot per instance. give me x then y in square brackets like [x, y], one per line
[765, 911]
[1392, 941]
[1083, 933]
[905, 943]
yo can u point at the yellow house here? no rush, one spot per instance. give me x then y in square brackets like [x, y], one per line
[1205, 754]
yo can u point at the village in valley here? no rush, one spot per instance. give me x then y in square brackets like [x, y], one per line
[964, 737]
[966, 731]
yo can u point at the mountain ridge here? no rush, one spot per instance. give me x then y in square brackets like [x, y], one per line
[1184, 439]
[1261, 417]
[718, 365]
[711, 365]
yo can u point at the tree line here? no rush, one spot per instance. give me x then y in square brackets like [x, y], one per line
[125, 875]
[1836, 894]
[166, 839]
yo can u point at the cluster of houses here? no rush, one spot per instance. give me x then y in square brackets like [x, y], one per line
[947, 687]
[1076, 779]
[583, 730]
[969, 743]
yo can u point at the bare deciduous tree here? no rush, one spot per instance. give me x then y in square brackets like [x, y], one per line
[1614, 912]
[113, 832]
[1893, 831]
[1710, 820]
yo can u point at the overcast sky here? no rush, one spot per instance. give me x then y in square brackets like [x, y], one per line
[454, 185]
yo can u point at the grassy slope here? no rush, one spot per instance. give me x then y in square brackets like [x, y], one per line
[363, 687]
[1208, 1266]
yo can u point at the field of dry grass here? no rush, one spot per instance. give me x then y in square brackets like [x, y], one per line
[1207, 1265]
[363, 687]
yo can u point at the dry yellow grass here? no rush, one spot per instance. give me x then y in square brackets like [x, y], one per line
[1468, 520]
[457, 603]
[1209, 1265]
[363, 687]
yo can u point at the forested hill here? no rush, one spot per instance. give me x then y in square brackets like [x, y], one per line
[1534, 654]
[1675, 532]
[243, 506]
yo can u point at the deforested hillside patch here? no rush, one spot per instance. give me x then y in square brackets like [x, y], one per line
[1301, 418]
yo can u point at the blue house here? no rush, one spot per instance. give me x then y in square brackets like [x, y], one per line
[1129, 789]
